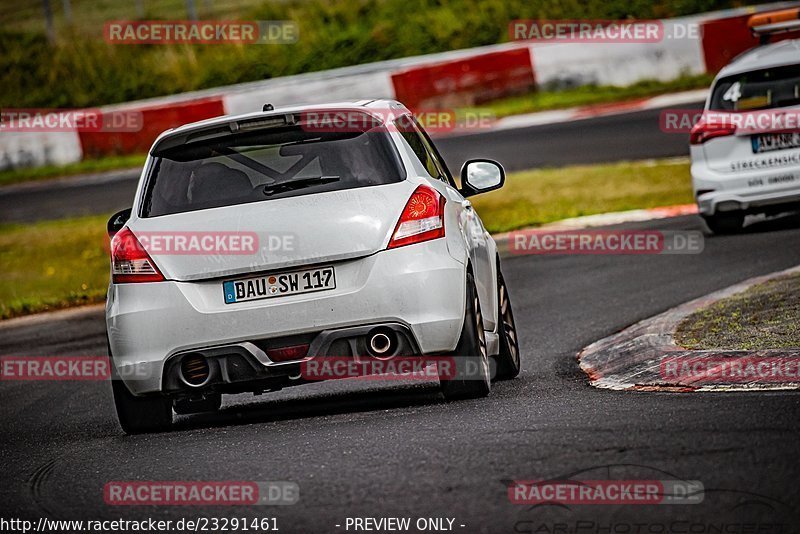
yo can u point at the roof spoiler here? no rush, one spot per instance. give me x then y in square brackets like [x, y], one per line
[207, 133]
[767, 24]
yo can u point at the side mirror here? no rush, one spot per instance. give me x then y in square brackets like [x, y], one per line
[480, 176]
[117, 221]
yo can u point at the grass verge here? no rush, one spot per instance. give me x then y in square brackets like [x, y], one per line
[109, 163]
[533, 198]
[57, 264]
[592, 94]
[763, 317]
[53, 264]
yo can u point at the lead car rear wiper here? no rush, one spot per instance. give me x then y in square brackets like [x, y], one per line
[271, 189]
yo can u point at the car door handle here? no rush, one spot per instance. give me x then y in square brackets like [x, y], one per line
[466, 204]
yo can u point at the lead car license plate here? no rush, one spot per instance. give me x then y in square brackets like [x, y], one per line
[769, 142]
[278, 285]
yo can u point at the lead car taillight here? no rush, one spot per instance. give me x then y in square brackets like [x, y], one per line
[130, 262]
[704, 131]
[422, 218]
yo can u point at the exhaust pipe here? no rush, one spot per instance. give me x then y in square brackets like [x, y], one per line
[194, 370]
[381, 343]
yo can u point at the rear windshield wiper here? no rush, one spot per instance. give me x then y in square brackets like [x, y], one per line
[280, 187]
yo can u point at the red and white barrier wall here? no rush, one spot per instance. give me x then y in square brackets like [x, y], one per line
[470, 80]
[437, 81]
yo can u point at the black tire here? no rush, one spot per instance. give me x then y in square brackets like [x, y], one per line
[725, 223]
[471, 377]
[210, 403]
[138, 415]
[508, 360]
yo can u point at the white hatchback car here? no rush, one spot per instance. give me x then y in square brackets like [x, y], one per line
[746, 160]
[259, 242]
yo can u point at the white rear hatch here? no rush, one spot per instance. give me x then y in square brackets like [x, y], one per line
[763, 106]
[301, 230]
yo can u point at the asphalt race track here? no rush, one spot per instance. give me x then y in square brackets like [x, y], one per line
[367, 449]
[627, 136]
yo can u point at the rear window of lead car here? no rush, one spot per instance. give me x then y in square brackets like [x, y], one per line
[267, 164]
[771, 88]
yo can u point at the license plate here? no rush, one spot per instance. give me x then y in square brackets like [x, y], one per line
[278, 285]
[769, 142]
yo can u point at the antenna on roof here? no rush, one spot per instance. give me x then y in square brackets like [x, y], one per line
[268, 107]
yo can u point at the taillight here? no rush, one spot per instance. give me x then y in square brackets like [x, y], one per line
[703, 131]
[422, 218]
[130, 262]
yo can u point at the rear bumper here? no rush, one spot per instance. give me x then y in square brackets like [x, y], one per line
[750, 191]
[247, 366]
[420, 287]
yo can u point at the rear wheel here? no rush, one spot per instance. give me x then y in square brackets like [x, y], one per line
[138, 414]
[725, 223]
[508, 360]
[470, 378]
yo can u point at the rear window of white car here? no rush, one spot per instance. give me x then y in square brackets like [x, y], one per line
[771, 88]
[267, 164]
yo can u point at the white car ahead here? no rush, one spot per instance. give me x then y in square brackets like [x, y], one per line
[260, 242]
[745, 150]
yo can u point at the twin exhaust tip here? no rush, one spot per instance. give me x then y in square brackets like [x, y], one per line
[195, 370]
